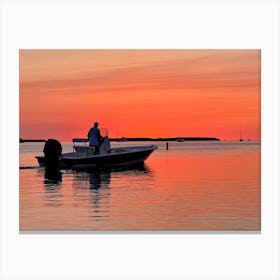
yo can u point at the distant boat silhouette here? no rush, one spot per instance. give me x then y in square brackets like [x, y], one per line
[240, 139]
[123, 139]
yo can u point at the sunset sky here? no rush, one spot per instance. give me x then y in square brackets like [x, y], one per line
[140, 93]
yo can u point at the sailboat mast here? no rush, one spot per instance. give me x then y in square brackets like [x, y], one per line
[240, 139]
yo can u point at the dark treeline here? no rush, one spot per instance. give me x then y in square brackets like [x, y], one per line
[167, 139]
[31, 140]
[142, 139]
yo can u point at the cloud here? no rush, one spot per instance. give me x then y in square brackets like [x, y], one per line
[225, 70]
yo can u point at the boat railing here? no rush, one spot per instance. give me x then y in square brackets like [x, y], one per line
[80, 140]
[80, 146]
[84, 150]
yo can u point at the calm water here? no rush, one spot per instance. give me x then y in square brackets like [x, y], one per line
[192, 186]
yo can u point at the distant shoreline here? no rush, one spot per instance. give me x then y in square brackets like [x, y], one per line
[179, 139]
[31, 140]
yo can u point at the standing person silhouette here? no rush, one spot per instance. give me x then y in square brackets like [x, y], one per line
[94, 137]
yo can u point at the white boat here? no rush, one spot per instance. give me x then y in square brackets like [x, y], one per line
[83, 155]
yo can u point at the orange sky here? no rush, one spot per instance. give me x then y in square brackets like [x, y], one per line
[140, 93]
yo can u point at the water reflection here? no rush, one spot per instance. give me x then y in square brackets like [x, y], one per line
[53, 176]
[99, 179]
[92, 188]
[185, 189]
[99, 194]
[52, 183]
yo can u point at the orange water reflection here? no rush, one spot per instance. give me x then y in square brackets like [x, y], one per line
[179, 189]
[214, 191]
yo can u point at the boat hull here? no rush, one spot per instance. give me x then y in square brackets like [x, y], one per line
[117, 157]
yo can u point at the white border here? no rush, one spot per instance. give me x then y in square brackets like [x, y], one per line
[139, 24]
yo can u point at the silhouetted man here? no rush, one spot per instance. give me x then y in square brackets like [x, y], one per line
[94, 137]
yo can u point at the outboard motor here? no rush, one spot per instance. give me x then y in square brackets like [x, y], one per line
[52, 151]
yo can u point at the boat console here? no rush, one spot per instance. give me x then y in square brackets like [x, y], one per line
[81, 148]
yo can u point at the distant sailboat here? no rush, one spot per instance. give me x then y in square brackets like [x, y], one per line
[240, 139]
